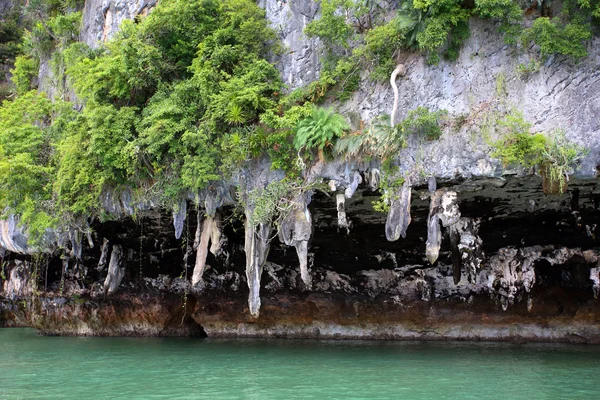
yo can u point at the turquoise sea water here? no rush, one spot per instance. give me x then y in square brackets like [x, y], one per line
[37, 367]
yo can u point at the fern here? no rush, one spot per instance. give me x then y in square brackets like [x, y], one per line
[350, 145]
[319, 129]
[380, 140]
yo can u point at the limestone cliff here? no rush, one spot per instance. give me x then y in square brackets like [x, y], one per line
[467, 249]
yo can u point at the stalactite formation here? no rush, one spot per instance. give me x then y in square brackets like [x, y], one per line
[210, 233]
[116, 271]
[443, 209]
[295, 230]
[400, 70]
[103, 254]
[256, 247]
[343, 221]
[399, 215]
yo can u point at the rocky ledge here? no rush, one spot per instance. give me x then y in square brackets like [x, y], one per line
[513, 264]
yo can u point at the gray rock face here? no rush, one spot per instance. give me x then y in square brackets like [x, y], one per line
[482, 81]
[5, 6]
[484, 78]
[102, 18]
[299, 63]
[12, 237]
[18, 280]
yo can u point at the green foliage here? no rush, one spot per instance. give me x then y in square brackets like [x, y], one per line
[94, 150]
[25, 70]
[560, 156]
[379, 140]
[53, 25]
[518, 145]
[383, 141]
[244, 96]
[592, 5]
[125, 73]
[508, 12]
[176, 28]
[424, 123]
[554, 38]
[445, 27]
[554, 154]
[332, 27]
[10, 35]
[531, 67]
[266, 203]
[65, 27]
[384, 41]
[251, 142]
[319, 129]
[389, 186]
[276, 199]
[25, 160]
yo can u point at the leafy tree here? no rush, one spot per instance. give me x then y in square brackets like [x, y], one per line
[331, 26]
[10, 35]
[26, 68]
[26, 171]
[553, 38]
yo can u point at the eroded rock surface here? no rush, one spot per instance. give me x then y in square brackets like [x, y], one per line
[479, 253]
[102, 18]
[501, 263]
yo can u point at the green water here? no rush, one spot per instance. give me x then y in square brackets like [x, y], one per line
[37, 367]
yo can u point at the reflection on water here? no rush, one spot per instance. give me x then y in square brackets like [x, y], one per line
[37, 367]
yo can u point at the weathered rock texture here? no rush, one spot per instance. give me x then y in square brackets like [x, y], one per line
[480, 254]
[299, 64]
[102, 18]
[484, 78]
[523, 266]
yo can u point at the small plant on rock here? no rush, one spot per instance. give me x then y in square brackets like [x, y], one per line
[559, 158]
[424, 123]
[554, 154]
[378, 140]
[319, 129]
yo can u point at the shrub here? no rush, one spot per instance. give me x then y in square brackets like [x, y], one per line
[553, 38]
[26, 68]
[378, 140]
[554, 154]
[424, 123]
[319, 129]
